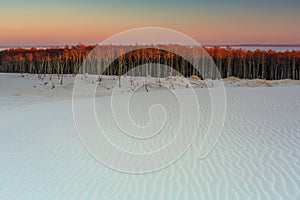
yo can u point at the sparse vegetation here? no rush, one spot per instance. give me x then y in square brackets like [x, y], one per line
[194, 77]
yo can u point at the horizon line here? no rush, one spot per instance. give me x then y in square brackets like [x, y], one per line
[205, 45]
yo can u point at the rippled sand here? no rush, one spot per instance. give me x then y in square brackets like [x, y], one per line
[256, 157]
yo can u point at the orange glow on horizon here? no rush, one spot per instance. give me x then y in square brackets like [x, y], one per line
[65, 26]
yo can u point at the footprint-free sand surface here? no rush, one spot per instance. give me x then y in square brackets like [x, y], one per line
[42, 157]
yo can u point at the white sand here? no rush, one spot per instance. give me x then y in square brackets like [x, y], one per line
[257, 156]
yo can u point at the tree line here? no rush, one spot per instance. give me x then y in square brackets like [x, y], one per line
[270, 65]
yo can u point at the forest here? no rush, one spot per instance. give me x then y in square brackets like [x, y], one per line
[245, 64]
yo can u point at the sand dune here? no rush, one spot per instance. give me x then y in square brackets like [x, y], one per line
[42, 157]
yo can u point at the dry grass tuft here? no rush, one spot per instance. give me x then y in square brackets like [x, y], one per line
[288, 81]
[277, 82]
[264, 82]
[291, 81]
[194, 77]
[260, 81]
[268, 84]
[169, 78]
[233, 79]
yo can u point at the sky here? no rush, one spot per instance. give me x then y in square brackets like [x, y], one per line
[60, 22]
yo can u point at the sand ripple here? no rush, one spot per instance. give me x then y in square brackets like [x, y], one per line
[257, 156]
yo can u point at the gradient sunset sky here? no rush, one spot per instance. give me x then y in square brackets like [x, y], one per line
[59, 22]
